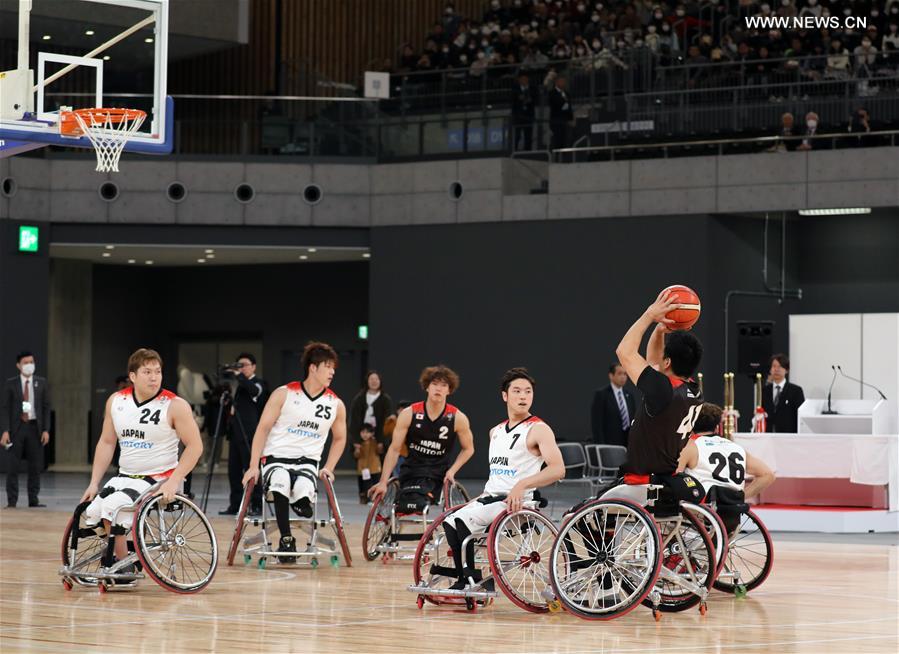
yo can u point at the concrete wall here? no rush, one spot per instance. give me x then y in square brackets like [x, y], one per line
[493, 190]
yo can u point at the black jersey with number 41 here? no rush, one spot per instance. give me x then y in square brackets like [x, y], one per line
[430, 442]
[663, 423]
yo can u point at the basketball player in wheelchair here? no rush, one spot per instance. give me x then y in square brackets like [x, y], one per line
[523, 457]
[427, 481]
[142, 500]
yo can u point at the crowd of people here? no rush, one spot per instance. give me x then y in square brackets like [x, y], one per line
[532, 34]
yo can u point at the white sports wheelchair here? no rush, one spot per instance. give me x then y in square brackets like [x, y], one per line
[511, 554]
[172, 542]
[388, 527]
[263, 544]
[612, 554]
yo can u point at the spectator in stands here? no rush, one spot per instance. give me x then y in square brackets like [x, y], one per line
[408, 59]
[865, 59]
[479, 65]
[367, 452]
[612, 410]
[891, 36]
[524, 103]
[781, 399]
[811, 129]
[371, 405]
[837, 61]
[859, 124]
[561, 114]
[786, 130]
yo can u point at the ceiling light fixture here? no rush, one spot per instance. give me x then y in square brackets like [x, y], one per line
[149, 262]
[312, 250]
[89, 32]
[149, 39]
[132, 261]
[105, 57]
[834, 212]
[201, 260]
[209, 251]
[110, 247]
[46, 37]
[303, 257]
[107, 254]
[366, 255]
[210, 256]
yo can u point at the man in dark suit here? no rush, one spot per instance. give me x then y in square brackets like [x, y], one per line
[249, 400]
[25, 424]
[613, 409]
[561, 114]
[781, 399]
[524, 102]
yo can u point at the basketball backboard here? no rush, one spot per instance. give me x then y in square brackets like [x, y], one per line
[80, 54]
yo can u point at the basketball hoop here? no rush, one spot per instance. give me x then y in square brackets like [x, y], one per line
[107, 128]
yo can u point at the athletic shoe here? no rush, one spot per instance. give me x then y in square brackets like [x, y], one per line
[287, 544]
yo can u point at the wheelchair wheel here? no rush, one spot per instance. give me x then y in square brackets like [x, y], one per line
[605, 559]
[716, 530]
[239, 524]
[689, 558]
[175, 544]
[432, 559]
[338, 521]
[82, 548]
[750, 556]
[519, 547]
[377, 524]
[454, 494]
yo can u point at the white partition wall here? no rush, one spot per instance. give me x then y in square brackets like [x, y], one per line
[865, 345]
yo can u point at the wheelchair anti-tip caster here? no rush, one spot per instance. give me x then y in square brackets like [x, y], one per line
[313, 562]
[335, 561]
[657, 615]
[420, 602]
[261, 563]
[103, 588]
[67, 583]
[703, 608]
[247, 559]
[470, 605]
[554, 606]
[740, 591]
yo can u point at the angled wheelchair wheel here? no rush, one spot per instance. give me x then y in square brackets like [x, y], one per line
[377, 525]
[454, 494]
[239, 523]
[82, 549]
[716, 530]
[338, 521]
[519, 548]
[175, 544]
[605, 559]
[688, 562]
[433, 562]
[750, 556]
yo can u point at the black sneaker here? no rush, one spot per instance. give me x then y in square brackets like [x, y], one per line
[303, 507]
[287, 544]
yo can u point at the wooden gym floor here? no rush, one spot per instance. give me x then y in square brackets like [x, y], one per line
[821, 597]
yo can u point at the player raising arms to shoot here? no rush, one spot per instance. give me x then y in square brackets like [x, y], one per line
[147, 422]
[519, 447]
[429, 430]
[291, 437]
[671, 399]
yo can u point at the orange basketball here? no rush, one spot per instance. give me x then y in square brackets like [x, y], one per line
[688, 314]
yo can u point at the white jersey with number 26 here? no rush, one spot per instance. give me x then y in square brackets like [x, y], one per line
[721, 462]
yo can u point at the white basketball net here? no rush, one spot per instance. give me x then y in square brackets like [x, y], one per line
[109, 135]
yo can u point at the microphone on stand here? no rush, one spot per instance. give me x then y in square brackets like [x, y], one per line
[831, 412]
[863, 383]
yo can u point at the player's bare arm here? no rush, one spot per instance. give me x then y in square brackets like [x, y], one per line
[541, 442]
[338, 442]
[103, 453]
[182, 420]
[689, 457]
[466, 445]
[762, 476]
[628, 349]
[268, 419]
[403, 420]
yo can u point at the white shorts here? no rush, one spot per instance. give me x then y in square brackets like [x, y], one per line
[117, 493]
[478, 516]
[276, 479]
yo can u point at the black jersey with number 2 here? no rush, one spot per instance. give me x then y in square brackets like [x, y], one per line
[430, 442]
[663, 423]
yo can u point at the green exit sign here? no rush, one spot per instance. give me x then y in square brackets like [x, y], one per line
[28, 238]
[362, 332]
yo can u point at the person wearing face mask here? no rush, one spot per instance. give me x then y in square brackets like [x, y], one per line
[811, 129]
[25, 424]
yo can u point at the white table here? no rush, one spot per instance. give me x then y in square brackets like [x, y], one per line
[860, 458]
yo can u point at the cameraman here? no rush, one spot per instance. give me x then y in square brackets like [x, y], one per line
[249, 400]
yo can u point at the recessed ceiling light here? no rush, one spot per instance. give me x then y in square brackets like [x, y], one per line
[105, 57]
[132, 261]
[834, 212]
[366, 255]
[210, 256]
[201, 260]
[46, 37]
[312, 250]
[303, 257]
[210, 251]
[149, 262]
[89, 32]
[107, 254]
[110, 247]
[149, 39]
